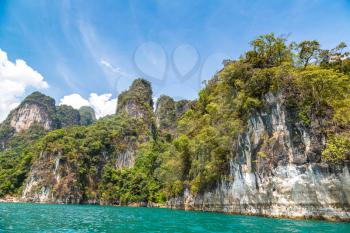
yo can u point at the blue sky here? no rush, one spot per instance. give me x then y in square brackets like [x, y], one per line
[85, 46]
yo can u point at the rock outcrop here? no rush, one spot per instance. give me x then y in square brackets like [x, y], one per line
[54, 178]
[40, 110]
[36, 108]
[275, 166]
[277, 171]
[137, 101]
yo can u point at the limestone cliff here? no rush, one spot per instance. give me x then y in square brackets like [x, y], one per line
[40, 110]
[275, 163]
[35, 108]
[137, 100]
[276, 170]
[57, 177]
[165, 113]
[68, 172]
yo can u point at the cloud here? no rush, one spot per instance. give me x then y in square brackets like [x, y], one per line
[110, 66]
[15, 79]
[74, 100]
[102, 104]
[115, 69]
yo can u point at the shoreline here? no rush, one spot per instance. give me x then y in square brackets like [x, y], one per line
[164, 206]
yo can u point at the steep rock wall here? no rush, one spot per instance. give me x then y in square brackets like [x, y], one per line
[29, 114]
[277, 171]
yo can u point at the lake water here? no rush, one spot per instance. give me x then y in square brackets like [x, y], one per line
[24, 218]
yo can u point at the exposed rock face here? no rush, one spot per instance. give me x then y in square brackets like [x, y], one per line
[36, 108]
[67, 116]
[52, 180]
[27, 115]
[87, 115]
[277, 171]
[137, 101]
[55, 177]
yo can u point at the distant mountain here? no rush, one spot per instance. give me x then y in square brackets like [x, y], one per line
[40, 110]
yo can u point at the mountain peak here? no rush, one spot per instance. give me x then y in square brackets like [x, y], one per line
[35, 108]
[137, 100]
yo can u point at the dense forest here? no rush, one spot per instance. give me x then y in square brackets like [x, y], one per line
[189, 144]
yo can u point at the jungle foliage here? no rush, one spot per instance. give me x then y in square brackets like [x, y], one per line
[314, 81]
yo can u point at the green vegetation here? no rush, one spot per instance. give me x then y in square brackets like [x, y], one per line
[87, 115]
[140, 183]
[16, 160]
[314, 84]
[45, 102]
[82, 147]
[140, 92]
[67, 116]
[338, 148]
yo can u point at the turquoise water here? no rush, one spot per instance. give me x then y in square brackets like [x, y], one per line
[24, 218]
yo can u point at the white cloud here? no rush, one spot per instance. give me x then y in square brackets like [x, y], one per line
[15, 78]
[102, 104]
[74, 100]
[115, 69]
[110, 66]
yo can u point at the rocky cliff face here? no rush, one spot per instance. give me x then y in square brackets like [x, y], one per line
[56, 177]
[277, 171]
[137, 101]
[64, 176]
[36, 108]
[276, 167]
[40, 110]
[52, 180]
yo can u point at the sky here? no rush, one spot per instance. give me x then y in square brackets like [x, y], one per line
[86, 52]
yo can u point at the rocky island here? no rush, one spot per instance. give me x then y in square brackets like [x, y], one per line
[268, 135]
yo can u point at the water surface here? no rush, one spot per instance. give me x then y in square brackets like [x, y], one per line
[25, 218]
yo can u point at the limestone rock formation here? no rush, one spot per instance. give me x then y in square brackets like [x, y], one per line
[137, 101]
[277, 171]
[36, 108]
[275, 165]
